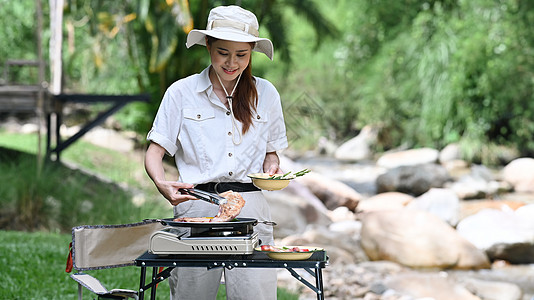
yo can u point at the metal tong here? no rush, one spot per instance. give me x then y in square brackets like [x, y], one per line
[203, 195]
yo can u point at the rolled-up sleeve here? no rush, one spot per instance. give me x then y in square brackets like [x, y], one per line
[277, 139]
[167, 123]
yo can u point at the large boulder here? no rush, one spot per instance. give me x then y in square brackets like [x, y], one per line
[333, 193]
[413, 180]
[441, 202]
[417, 239]
[359, 147]
[410, 157]
[428, 286]
[385, 201]
[520, 173]
[504, 234]
[342, 246]
[451, 152]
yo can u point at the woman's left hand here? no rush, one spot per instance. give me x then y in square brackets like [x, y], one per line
[271, 164]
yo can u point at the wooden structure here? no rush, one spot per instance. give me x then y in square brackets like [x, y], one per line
[17, 97]
[46, 100]
[59, 101]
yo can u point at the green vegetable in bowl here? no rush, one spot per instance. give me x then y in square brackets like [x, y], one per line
[288, 175]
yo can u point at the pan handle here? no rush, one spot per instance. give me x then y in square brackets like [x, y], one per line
[157, 220]
[270, 223]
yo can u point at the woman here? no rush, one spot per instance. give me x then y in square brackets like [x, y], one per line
[220, 125]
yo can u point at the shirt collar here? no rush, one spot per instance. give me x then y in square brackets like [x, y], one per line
[204, 82]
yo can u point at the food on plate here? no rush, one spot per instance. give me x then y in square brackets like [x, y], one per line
[227, 211]
[288, 252]
[284, 249]
[289, 175]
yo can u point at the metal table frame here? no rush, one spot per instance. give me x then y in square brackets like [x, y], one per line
[313, 266]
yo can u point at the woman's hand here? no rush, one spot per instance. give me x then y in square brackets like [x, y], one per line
[169, 190]
[154, 168]
[271, 164]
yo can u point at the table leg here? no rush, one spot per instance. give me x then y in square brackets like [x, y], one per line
[142, 284]
[319, 283]
[153, 291]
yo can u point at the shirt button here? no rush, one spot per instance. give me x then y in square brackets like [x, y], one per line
[228, 113]
[199, 116]
[258, 117]
[230, 173]
[229, 133]
[230, 154]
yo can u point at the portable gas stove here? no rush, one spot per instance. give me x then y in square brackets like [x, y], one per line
[235, 237]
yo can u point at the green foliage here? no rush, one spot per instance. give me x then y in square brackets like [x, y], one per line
[34, 200]
[428, 74]
[17, 39]
[59, 198]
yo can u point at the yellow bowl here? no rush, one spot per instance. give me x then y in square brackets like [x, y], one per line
[262, 181]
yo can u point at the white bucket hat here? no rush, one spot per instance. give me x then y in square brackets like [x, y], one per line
[231, 23]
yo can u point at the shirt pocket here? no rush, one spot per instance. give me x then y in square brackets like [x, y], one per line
[260, 127]
[199, 114]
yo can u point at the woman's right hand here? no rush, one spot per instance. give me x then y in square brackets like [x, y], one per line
[154, 168]
[170, 190]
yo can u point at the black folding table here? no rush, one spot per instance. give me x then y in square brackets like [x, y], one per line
[313, 266]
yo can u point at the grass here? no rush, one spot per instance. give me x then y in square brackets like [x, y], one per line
[118, 167]
[37, 213]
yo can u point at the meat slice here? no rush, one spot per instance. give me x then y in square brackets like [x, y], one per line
[229, 210]
[194, 219]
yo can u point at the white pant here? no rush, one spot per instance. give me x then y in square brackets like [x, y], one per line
[241, 283]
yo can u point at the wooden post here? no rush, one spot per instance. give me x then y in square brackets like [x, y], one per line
[56, 42]
[40, 93]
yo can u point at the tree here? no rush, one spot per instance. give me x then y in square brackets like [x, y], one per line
[438, 72]
[149, 37]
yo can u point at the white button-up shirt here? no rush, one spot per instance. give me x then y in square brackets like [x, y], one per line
[194, 126]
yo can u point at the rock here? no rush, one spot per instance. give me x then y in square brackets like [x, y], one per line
[349, 228]
[492, 290]
[359, 147]
[473, 187]
[109, 138]
[333, 242]
[410, 157]
[333, 193]
[472, 207]
[385, 201]
[288, 213]
[341, 213]
[456, 168]
[326, 147]
[515, 253]
[520, 173]
[504, 234]
[417, 239]
[30, 128]
[451, 152]
[298, 189]
[441, 202]
[413, 180]
[428, 286]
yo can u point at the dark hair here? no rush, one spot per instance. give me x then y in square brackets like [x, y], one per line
[245, 98]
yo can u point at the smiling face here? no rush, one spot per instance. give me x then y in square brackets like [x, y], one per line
[229, 58]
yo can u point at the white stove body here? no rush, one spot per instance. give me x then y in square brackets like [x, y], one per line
[173, 241]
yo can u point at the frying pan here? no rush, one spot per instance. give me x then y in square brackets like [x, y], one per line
[234, 222]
